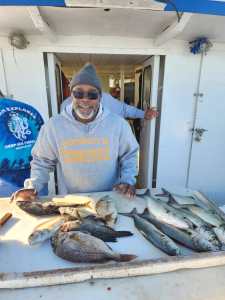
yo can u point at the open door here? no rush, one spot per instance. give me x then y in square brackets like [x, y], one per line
[149, 94]
[55, 82]
[55, 95]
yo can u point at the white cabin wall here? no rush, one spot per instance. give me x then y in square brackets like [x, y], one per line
[25, 77]
[180, 82]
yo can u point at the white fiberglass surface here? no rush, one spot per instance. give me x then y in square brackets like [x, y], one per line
[17, 255]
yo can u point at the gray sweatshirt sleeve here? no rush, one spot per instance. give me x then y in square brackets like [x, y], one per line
[128, 151]
[131, 112]
[120, 108]
[44, 160]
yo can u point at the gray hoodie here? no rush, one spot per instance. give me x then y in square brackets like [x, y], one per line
[91, 157]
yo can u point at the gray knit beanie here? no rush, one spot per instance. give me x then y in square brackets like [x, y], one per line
[87, 75]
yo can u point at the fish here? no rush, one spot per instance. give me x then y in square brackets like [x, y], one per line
[74, 200]
[77, 246]
[179, 199]
[154, 235]
[203, 236]
[206, 215]
[164, 213]
[77, 212]
[200, 197]
[38, 209]
[187, 237]
[103, 232]
[45, 230]
[24, 195]
[176, 234]
[201, 227]
[199, 239]
[106, 209]
[94, 220]
[195, 220]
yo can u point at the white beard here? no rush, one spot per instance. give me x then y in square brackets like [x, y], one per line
[84, 117]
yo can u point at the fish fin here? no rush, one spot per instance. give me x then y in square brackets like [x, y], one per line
[130, 214]
[164, 193]
[172, 200]
[123, 233]
[109, 240]
[145, 211]
[190, 224]
[147, 193]
[126, 257]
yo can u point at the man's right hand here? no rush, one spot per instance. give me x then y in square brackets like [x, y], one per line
[24, 195]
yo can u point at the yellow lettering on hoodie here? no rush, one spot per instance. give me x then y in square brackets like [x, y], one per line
[98, 150]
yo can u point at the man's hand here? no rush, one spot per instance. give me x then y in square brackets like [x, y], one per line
[151, 113]
[24, 195]
[125, 189]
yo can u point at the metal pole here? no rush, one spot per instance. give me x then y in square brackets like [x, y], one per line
[6, 90]
[196, 95]
[122, 84]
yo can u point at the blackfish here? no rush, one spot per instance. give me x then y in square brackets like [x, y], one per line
[81, 247]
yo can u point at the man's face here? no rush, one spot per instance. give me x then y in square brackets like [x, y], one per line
[86, 100]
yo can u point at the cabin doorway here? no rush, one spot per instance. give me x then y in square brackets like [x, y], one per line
[132, 79]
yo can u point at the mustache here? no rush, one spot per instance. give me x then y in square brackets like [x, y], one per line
[84, 106]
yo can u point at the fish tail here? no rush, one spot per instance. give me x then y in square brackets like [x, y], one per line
[126, 257]
[123, 233]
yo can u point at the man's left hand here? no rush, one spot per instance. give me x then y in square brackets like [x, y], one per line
[125, 189]
[151, 113]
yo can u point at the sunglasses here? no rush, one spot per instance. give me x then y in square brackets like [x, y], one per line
[91, 95]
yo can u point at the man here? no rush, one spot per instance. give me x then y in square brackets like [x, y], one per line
[95, 149]
[20, 124]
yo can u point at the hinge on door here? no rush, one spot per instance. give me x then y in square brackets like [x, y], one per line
[198, 94]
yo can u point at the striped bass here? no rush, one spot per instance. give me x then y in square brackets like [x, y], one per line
[201, 238]
[179, 199]
[202, 227]
[163, 212]
[154, 235]
[206, 215]
[188, 237]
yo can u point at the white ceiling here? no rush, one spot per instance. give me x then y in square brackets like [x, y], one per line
[78, 60]
[117, 22]
[104, 63]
